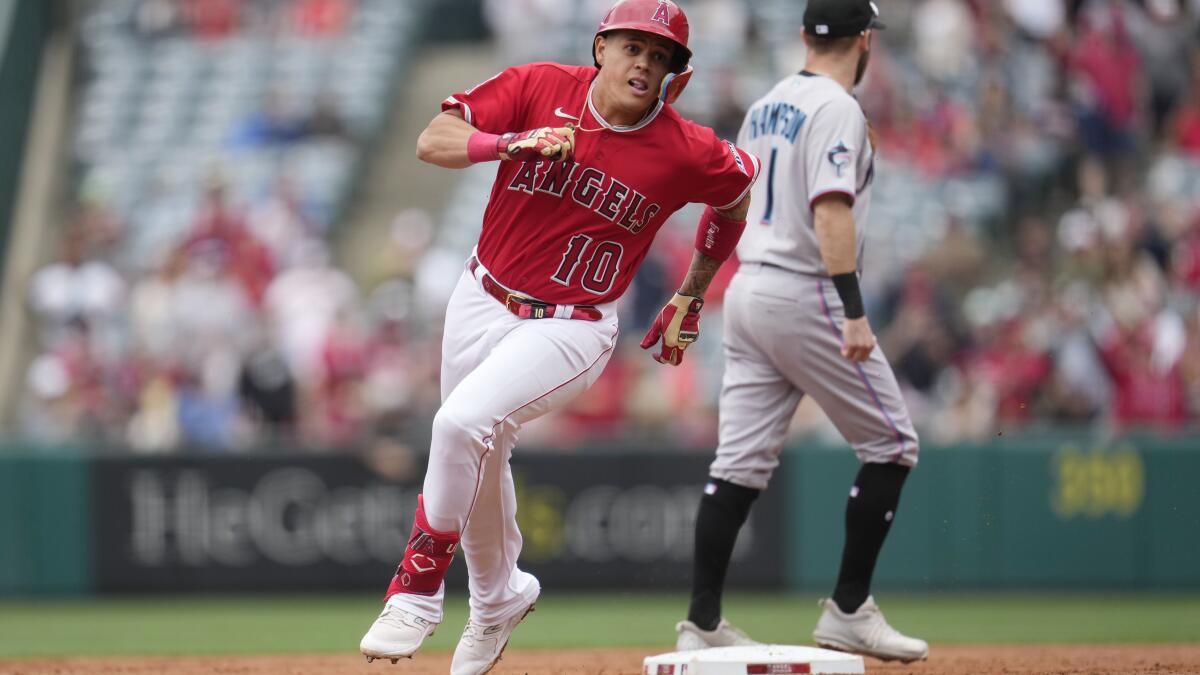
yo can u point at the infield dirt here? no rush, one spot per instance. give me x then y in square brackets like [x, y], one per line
[946, 660]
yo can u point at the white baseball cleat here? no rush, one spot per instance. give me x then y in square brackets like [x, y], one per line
[480, 647]
[693, 637]
[865, 632]
[396, 634]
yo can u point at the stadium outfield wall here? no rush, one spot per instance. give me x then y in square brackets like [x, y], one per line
[1049, 512]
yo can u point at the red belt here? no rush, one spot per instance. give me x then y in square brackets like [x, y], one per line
[528, 308]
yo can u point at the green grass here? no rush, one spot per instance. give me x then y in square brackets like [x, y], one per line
[275, 624]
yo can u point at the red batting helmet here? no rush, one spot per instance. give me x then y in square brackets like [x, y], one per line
[659, 17]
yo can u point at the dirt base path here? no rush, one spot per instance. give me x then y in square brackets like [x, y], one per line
[947, 660]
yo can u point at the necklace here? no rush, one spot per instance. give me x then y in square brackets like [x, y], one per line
[614, 127]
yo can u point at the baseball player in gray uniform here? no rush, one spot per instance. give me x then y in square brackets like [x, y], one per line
[795, 326]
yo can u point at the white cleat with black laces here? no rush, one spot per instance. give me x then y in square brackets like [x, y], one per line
[865, 632]
[395, 635]
[480, 647]
[692, 637]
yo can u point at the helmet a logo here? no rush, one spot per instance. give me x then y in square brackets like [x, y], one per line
[662, 14]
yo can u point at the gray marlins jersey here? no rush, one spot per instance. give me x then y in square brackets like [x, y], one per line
[812, 137]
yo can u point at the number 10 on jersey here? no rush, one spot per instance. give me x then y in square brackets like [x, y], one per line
[600, 270]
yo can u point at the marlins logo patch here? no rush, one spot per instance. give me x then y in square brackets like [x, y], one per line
[839, 157]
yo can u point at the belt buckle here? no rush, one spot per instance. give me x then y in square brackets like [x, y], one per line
[526, 309]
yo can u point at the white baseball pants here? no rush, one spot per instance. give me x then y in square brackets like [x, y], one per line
[783, 341]
[498, 372]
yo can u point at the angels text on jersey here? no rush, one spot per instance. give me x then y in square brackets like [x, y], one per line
[589, 187]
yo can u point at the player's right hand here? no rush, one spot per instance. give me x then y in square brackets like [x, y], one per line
[677, 325]
[857, 339]
[553, 143]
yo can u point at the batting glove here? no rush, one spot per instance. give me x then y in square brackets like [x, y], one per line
[678, 324]
[554, 143]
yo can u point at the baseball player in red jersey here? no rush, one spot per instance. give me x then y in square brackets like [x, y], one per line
[592, 162]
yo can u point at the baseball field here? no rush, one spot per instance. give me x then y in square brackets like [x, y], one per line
[1007, 633]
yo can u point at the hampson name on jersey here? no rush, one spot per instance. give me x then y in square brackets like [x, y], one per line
[778, 119]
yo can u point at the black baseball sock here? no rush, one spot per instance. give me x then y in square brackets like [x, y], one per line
[723, 509]
[869, 513]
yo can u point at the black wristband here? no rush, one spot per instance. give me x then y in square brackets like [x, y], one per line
[847, 289]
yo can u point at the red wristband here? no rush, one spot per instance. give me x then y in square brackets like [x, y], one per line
[483, 147]
[716, 235]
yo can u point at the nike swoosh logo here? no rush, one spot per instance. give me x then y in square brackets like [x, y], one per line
[559, 111]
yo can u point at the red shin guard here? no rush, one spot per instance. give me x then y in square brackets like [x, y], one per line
[426, 559]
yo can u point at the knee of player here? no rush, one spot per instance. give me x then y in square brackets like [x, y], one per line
[460, 426]
[894, 446]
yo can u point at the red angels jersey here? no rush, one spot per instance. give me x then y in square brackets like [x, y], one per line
[575, 233]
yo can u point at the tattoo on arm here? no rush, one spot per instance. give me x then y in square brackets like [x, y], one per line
[699, 275]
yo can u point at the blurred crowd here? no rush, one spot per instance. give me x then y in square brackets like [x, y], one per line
[1033, 255]
[194, 301]
[1077, 303]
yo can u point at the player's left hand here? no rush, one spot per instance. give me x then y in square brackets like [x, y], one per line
[678, 324]
[554, 143]
[857, 339]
